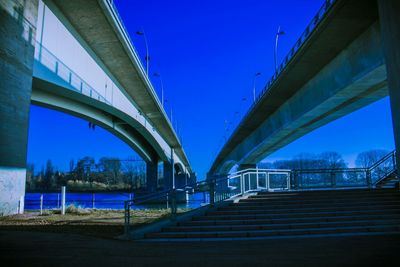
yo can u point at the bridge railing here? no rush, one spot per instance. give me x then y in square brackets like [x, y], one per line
[125, 33]
[76, 83]
[292, 52]
[299, 43]
[57, 67]
[221, 188]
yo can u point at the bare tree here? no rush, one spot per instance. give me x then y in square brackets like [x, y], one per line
[368, 158]
[112, 168]
[331, 160]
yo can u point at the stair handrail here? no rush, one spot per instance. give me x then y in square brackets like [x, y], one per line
[171, 197]
[387, 173]
[383, 159]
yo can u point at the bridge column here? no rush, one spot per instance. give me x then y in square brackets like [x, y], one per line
[17, 27]
[168, 175]
[389, 19]
[180, 179]
[151, 176]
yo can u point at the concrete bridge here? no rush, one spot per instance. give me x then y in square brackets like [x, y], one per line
[346, 59]
[125, 104]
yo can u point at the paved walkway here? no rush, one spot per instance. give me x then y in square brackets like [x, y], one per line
[18, 248]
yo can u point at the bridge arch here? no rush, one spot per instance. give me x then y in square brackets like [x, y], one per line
[57, 97]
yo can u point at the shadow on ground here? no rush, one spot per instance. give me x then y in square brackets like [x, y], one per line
[25, 248]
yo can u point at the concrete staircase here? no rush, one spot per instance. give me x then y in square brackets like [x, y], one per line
[391, 181]
[293, 214]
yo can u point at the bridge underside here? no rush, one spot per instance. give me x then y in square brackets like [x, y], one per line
[354, 79]
[18, 66]
[125, 128]
[349, 60]
[98, 30]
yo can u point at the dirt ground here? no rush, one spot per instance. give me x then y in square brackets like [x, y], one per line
[99, 223]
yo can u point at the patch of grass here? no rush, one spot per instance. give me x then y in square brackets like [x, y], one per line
[72, 209]
[100, 223]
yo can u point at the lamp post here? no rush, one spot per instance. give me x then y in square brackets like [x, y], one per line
[147, 58]
[254, 85]
[162, 87]
[278, 33]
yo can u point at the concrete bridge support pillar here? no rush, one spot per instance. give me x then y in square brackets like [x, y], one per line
[151, 176]
[180, 179]
[17, 27]
[168, 175]
[389, 19]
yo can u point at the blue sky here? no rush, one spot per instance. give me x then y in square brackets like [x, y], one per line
[207, 53]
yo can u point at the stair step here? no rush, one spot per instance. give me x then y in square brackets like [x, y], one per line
[286, 214]
[256, 205]
[328, 192]
[289, 220]
[266, 197]
[294, 215]
[263, 201]
[298, 210]
[278, 226]
[285, 232]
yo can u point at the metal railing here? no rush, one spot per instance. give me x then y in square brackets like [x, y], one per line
[188, 197]
[220, 188]
[383, 168]
[76, 83]
[56, 66]
[330, 178]
[130, 44]
[285, 62]
[124, 31]
[367, 177]
[260, 179]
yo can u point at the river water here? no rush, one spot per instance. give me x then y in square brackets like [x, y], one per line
[101, 201]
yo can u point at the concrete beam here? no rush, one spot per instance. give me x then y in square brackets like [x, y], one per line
[389, 19]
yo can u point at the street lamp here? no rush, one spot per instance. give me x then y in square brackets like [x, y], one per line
[278, 33]
[162, 87]
[254, 85]
[147, 58]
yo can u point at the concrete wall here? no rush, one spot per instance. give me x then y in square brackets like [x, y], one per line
[17, 27]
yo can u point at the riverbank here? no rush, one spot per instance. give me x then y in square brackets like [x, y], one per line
[92, 222]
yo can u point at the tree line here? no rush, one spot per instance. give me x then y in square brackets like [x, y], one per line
[107, 174]
[325, 160]
[113, 174]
